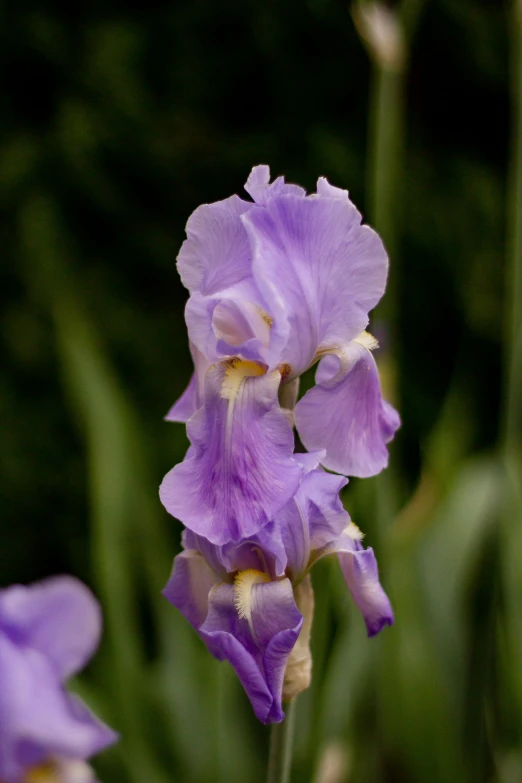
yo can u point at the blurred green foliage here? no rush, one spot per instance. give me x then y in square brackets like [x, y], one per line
[118, 120]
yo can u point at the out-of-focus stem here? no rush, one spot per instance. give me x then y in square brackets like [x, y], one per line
[281, 744]
[385, 154]
[512, 414]
[513, 382]
[386, 34]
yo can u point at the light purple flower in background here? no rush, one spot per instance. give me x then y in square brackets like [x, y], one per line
[275, 286]
[245, 599]
[48, 631]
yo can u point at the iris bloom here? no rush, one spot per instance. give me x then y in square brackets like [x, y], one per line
[276, 286]
[48, 631]
[252, 603]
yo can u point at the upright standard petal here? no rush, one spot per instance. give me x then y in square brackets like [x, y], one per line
[240, 472]
[361, 573]
[255, 626]
[216, 253]
[319, 268]
[59, 617]
[346, 415]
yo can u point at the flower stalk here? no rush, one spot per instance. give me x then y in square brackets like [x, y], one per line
[513, 382]
[281, 744]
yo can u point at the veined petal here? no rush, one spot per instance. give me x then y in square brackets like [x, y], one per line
[241, 471]
[259, 187]
[216, 253]
[258, 646]
[361, 573]
[59, 617]
[346, 414]
[319, 268]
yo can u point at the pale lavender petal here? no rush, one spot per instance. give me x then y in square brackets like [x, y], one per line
[310, 460]
[187, 404]
[362, 577]
[259, 187]
[312, 519]
[269, 541]
[330, 191]
[189, 585]
[230, 558]
[276, 623]
[327, 517]
[38, 719]
[241, 471]
[59, 617]
[346, 414]
[216, 253]
[192, 398]
[231, 323]
[257, 647]
[320, 270]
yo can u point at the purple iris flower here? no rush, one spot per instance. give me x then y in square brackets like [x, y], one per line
[48, 631]
[252, 603]
[276, 286]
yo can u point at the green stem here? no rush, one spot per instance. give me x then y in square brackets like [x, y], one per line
[385, 153]
[281, 742]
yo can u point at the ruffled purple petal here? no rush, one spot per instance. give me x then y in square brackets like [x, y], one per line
[319, 270]
[59, 617]
[38, 719]
[330, 191]
[259, 187]
[257, 647]
[216, 253]
[241, 471]
[346, 414]
[361, 573]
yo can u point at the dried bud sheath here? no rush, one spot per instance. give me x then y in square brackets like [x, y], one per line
[298, 673]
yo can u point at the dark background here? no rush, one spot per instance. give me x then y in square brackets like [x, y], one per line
[119, 120]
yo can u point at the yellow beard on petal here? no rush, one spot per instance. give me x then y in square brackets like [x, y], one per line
[43, 773]
[353, 531]
[235, 373]
[243, 584]
[59, 770]
[367, 341]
